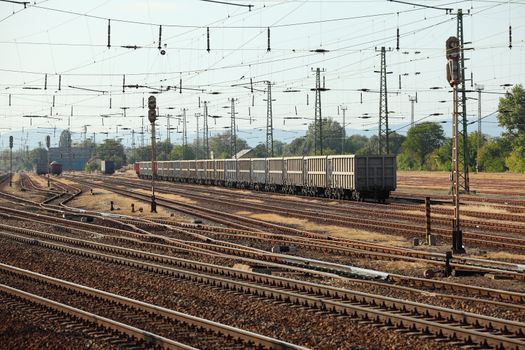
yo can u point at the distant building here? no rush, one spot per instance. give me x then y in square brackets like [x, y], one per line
[74, 158]
[245, 153]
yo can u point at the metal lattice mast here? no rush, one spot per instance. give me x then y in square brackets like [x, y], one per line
[269, 121]
[384, 145]
[343, 132]
[318, 119]
[142, 133]
[132, 139]
[462, 105]
[197, 141]
[168, 128]
[233, 129]
[184, 133]
[205, 131]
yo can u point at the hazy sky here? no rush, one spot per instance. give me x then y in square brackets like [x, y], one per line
[69, 38]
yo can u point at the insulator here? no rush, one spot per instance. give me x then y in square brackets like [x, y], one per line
[53, 100]
[45, 82]
[399, 81]
[251, 85]
[160, 37]
[109, 33]
[180, 86]
[142, 102]
[123, 83]
[9, 100]
[337, 110]
[510, 37]
[110, 102]
[307, 100]
[361, 98]
[295, 110]
[397, 46]
[208, 39]
[269, 48]
[60, 82]
[253, 101]
[199, 102]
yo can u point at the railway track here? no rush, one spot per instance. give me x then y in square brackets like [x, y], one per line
[427, 320]
[321, 243]
[181, 331]
[356, 220]
[243, 253]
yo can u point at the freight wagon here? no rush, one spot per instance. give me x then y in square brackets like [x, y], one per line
[346, 176]
[107, 167]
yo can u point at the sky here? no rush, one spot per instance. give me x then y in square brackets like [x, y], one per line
[68, 42]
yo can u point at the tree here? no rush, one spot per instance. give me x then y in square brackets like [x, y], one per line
[492, 155]
[441, 158]
[421, 141]
[178, 152]
[112, 150]
[355, 143]
[515, 161]
[220, 145]
[163, 150]
[511, 115]
[65, 139]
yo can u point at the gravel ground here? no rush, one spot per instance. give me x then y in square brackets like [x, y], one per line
[22, 330]
[302, 327]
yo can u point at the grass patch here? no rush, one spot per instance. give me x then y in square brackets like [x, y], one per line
[331, 230]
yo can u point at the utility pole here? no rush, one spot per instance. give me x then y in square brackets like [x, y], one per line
[48, 144]
[453, 76]
[233, 129]
[479, 89]
[184, 134]
[132, 140]
[168, 128]
[412, 99]
[343, 136]
[318, 119]
[197, 140]
[269, 120]
[142, 133]
[152, 117]
[10, 161]
[384, 144]
[205, 131]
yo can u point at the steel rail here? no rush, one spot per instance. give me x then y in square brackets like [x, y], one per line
[105, 323]
[197, 322]
[383, 311]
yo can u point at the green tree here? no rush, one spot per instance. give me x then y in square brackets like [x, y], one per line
[178, 152]
[421, 141]
[515, 161]
[492, 155]
[65, 139]
[220, 145]
[112, 150]
[441, 158]
[511, 115]
[163, 150]
[355, 143]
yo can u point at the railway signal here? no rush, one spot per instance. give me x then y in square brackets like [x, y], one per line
[152, 117]
[454, 79]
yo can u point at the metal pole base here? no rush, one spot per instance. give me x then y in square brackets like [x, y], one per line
[457, 242]
[153, 205]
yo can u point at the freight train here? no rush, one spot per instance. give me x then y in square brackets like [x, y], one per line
[343, 177]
